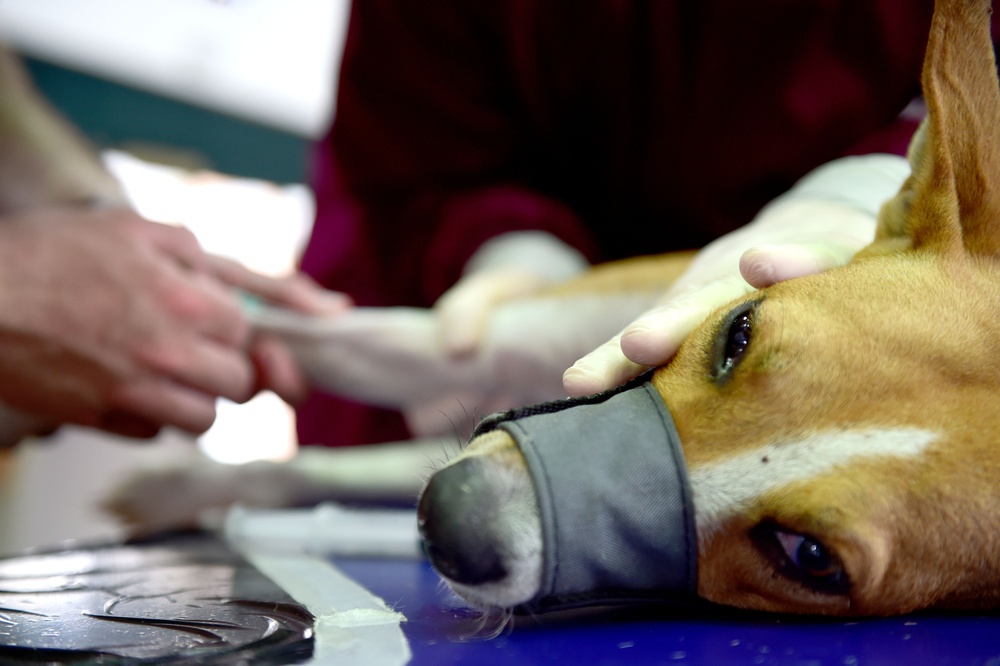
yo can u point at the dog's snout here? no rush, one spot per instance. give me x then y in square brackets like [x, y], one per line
[454, 515]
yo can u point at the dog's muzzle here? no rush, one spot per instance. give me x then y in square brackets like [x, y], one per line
[614, 498]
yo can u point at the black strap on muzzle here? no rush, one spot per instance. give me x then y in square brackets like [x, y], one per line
[614, 498]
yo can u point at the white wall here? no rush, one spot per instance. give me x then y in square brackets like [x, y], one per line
[270, 61]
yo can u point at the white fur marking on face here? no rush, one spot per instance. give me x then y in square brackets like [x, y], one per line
[724, 488]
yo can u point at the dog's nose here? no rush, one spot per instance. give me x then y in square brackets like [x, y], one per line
[454, 514]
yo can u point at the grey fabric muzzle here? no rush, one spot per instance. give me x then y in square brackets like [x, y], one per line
[614, 498]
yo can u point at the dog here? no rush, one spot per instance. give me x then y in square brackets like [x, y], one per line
[834, 429]
[838, 431]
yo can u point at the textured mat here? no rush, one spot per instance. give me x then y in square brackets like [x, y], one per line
[183, 600]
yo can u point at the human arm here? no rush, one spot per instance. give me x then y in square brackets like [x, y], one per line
[75, 292]
[44, 160]
[819, 224]
[427, 161]
[114, 322]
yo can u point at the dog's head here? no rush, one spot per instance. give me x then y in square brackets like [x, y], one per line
[839, 431]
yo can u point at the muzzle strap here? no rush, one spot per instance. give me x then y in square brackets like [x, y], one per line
[614, 498]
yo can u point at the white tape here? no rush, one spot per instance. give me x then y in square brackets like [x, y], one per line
[353, 626]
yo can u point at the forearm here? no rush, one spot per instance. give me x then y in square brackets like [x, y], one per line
[862, 183]
[426, 147]
[835, 206]
[43, 159]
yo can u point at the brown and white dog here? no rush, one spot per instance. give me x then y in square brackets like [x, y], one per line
[840, 430]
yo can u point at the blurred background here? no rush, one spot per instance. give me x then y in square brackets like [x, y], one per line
[205, 109]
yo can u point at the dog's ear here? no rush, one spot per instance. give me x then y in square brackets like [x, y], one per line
[951, 202]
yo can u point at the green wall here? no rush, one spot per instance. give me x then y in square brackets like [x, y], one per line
[113, 115]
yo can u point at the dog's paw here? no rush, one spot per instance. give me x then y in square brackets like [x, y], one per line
[198, 493]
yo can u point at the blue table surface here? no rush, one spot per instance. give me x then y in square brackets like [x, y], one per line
[441, 631]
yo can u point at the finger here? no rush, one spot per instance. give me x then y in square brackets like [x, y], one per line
[655, 337]
[202, 364]
[465, 309]
[600, 370]
[177, 242]
[298, 291]
[199, 303]
[165, 403]
[765, 265]
[277, 369]
[190, 291]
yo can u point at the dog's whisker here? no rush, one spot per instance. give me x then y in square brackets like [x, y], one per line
[432, 464]
[490, 623]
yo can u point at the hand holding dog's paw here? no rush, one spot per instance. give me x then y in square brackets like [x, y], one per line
[464, 311]
[114, 322]
[296, 295]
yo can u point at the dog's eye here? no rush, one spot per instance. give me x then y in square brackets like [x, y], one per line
[813, 562]
[738, 340]
[735, 336]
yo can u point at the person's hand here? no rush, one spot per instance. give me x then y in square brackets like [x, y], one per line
[471, 319]
[818, 225]
[507, 267]
[110, 321]
[276, 366]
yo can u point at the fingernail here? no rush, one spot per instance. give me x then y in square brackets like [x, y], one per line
[331, 302]
[756, 266]
[579, 381]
